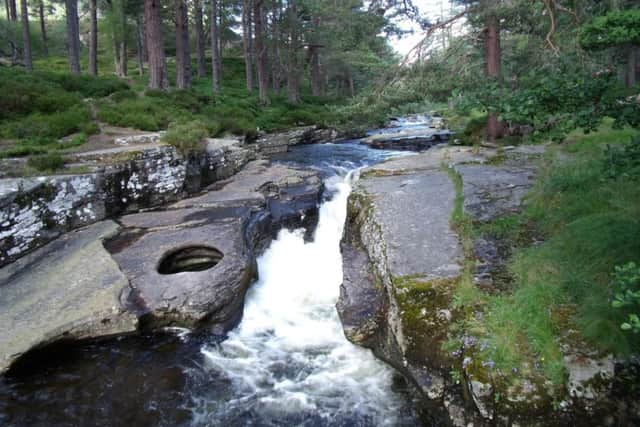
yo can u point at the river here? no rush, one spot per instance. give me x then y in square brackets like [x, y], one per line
[286, 364]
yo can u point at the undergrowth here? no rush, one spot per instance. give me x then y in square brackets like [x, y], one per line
[586, 205]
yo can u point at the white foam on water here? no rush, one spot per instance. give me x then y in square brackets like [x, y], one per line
[289, 354]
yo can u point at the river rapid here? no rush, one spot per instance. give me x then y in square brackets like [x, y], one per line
[286, 364]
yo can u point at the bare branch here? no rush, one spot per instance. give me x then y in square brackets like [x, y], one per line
[440, 25]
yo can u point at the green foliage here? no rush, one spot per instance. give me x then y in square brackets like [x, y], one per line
[47, 162]
[620, 27]
[54, 125]
[589, 220]
[556, 100]
[187, 137]
[623, 162]
[626, 286]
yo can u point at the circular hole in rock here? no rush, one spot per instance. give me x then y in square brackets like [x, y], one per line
[189, 259]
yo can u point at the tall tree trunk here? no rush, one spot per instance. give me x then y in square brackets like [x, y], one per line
[293, 82]
[276, 60]
[183, 57]
[93, 38]
[200, 38]
[261, 51]
[314, 52]
[316, 75]
[13, 10]
[155, 47]
[119, 36]
[43, 29]
[632, 66]
[73, 35]
[247, 42]
[120, 57]
[492, 56]
[140, 54]
[350, 84]
[215, 48]
[26, 36]
[7, 9]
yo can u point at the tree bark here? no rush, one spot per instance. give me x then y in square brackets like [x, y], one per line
[316, 75]
[140, 43]
[43, 29]
[493, 66]
[73, 35]
[276, 60]
[26, 36]
[293, 78]
[314, 52]
[120, 57]
[93, 37]
[261, 51]
[7, 9]
[632, 66]
[200, 38]
[247, 42]
[155, 48]
[13, 10]
[216, 67]
[183, 57]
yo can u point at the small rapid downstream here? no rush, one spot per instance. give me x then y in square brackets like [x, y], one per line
[287, 363]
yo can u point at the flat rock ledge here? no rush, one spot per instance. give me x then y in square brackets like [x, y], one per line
[402, 263]
[401, 260]
[185, 264]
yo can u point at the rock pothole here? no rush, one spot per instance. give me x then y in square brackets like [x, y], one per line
[189, 259]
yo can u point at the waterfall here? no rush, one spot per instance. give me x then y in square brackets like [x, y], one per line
[288, 362]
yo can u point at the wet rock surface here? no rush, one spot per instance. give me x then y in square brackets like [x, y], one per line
[185, 264]
[280, 142]
[413, 133]
[69, 289]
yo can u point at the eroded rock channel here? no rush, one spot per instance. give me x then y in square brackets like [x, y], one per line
[172, 287]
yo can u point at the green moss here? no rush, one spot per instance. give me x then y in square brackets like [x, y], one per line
[426, 310]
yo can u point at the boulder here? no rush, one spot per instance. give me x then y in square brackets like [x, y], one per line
[274, 143]
[69, 289]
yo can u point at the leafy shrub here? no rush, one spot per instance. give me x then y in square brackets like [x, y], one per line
[22, 95]
[623, 162]
[121, 95]
[87, 86]
[55, 125]
[91, 128]
[626, 285]
[46, 163]
[187, 137]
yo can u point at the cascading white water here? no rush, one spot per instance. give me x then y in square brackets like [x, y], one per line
[288, 360]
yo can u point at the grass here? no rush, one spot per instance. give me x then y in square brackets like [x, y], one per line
[590, 219]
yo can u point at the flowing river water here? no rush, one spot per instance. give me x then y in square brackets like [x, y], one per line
[286, 364]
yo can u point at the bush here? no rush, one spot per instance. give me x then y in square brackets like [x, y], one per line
[186, 137]
[47, 162]
[55, 125]
[623, 162]
[626, 285]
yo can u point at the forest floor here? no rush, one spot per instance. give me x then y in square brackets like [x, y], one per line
[46, 114]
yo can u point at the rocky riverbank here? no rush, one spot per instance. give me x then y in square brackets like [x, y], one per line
[81, 262]
[403, 264]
